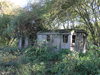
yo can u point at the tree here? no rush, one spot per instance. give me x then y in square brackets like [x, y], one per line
[7, 12]
[84, 12]
[90, 13]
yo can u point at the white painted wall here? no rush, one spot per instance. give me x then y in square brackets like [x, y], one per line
[56, 40]
[26, 42]
[41, 39]
[20, 43]
[72, 45]
[65, 45]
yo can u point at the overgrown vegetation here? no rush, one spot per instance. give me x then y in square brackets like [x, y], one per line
[42, 61]
[16, 22]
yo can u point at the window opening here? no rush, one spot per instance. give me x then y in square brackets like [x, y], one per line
[48, 37]
[65, 38]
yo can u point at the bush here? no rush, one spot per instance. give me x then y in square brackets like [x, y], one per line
[43, 61]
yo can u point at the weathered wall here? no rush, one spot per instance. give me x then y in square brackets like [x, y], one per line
[65, 45]
[20, 43]
[80, 44]
[72, 45]
[25, 44]
[56, 41]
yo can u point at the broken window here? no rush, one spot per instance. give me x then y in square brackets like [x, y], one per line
[73, 38]
[65, 38]
[48, 37]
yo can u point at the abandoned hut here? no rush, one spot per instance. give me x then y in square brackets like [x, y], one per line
[64, 39]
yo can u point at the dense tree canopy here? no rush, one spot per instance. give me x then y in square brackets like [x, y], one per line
[7, 12]
[81, 13]
[51, 14]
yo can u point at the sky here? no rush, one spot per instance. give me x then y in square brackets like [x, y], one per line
[21, 3]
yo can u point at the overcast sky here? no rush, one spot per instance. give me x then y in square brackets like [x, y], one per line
[21, 3]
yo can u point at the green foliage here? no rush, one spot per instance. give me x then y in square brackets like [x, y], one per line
[83, 14]
[40, 54]
[41, 61]
[7, 13]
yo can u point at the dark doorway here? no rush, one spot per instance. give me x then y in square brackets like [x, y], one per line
[23, 42]
[73, 38]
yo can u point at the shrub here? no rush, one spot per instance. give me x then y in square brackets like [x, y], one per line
[43, 61]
